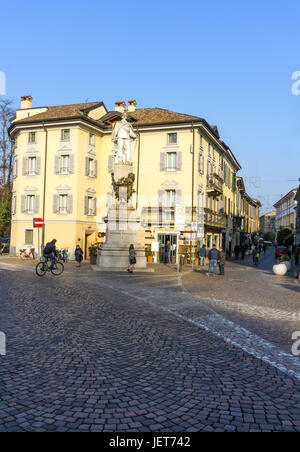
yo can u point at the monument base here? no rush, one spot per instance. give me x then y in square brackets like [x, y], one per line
[123, 227]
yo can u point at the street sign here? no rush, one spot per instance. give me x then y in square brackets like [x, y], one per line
[38, 223]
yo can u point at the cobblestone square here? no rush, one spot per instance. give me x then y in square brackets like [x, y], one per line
[157, 352]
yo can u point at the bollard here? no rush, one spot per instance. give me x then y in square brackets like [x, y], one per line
[181, 262]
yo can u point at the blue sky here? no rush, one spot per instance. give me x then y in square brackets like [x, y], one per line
[228, 61]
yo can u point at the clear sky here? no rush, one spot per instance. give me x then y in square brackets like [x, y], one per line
[228, 61]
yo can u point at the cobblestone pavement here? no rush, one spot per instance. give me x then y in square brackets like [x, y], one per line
[93, 351]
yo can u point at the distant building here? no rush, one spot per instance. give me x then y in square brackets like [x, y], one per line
[285, 211]
[268, 223]
[297, 209]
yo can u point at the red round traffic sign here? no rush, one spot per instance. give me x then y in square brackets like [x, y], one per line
[38, 223]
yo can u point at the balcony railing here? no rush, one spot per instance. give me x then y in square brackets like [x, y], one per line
[214, 219]
[214, 184]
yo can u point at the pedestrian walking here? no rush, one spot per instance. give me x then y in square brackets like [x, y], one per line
[202, 255]
[243, 251]
[213, 256]
[132, 259]
[222, 259]
[78, 255]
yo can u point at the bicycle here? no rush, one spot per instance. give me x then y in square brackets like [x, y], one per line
[63, 255]
[43, 267]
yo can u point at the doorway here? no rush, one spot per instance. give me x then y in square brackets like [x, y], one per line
[163, 239]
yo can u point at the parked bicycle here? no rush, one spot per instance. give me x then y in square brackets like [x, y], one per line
[45, 266]
[63, 255]
[25, 255]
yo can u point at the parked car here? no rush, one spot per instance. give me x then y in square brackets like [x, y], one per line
[280, 251]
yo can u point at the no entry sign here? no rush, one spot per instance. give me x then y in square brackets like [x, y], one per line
[38, 223]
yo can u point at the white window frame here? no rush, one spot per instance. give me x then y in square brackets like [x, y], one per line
[62, 137]
[32, 168]
[91, 139]
[90, 205]
[64, 169]
[171, 161]
[30, 204]
[63, 204]
[32, 230]
[91, 167]
[32, 134]
[172, 143]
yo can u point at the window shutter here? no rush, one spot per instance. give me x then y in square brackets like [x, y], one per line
[178, 197]
[202, 164]
[23, 203]
[86, 166]
[179, 161]
[70, 203]
[38, 165]
[163, 158]
[72, 164]
[86, 205]
[95, 206]
[13, 205]
[36, 203]
[110, 163]
[199, 162]
[56, 165]
[96, 168]
[55, 203]
[160, 196]
[25, 166]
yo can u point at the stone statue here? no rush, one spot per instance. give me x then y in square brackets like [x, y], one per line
[121, 134]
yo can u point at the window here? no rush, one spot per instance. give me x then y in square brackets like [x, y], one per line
[170, 198]
[63, 204]
[172, 138]
[32, 166]
[32, 137]
[92, 139]
[171, 161]
[90, 205]
[28, 236]
[30, 204]
[91, 172]
[64, 164]
[65, 135]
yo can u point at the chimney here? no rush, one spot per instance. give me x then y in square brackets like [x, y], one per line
[120, 106]
[26, 102]
[131, 105]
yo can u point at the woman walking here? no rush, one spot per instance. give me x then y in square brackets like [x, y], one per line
[132, 258]
[78, 255]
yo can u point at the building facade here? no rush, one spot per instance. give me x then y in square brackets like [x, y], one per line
[186, 178]
[285, 211]
[268, 223]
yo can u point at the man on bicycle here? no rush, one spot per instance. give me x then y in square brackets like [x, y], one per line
[50, 252]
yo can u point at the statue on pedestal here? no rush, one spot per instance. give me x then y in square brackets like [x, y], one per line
[121, 134]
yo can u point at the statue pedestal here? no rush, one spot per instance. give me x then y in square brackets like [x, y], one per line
[123, 226]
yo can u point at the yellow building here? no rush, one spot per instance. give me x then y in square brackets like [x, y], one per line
[186, 176]
[285, 211]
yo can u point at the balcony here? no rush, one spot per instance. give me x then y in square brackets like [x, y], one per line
[214, 184]
[214, 219]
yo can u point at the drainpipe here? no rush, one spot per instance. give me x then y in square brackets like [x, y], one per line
[44, 194]
[138, 167]
[193, 189]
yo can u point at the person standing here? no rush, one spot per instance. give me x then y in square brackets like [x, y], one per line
[222, 259]
[78, 255]
[202, 255]
[167, 252]
[213, 256]
[132, 259]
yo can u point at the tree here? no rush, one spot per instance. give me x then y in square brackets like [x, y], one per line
[285, 237]
[6, 166]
